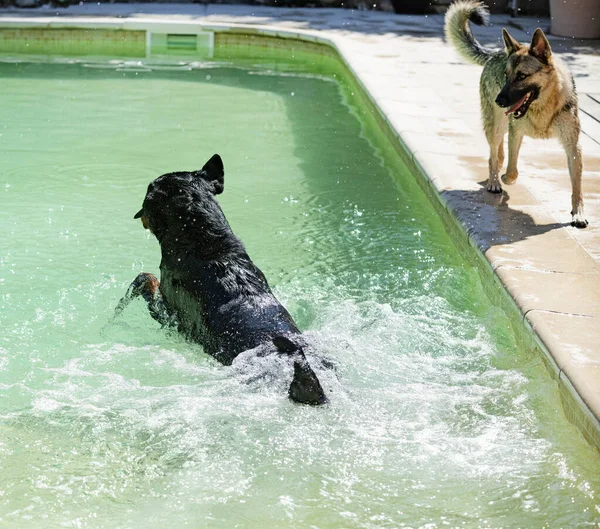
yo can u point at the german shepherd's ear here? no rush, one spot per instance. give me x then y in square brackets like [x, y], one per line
[214, 173]
[540, 47]
[510, 45]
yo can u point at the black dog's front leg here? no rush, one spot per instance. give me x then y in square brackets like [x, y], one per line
[147, 286]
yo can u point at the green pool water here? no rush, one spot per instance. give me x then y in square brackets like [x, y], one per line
[437, 418]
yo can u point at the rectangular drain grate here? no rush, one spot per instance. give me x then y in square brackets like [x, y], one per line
[182, 42]
[199, 44]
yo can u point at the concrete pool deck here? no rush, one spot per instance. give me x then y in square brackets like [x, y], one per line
[429, 98]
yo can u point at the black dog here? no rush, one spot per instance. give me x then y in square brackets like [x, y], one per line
[210, 290]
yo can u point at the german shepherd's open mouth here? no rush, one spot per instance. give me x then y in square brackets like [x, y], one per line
[520, 108]
[518, 103]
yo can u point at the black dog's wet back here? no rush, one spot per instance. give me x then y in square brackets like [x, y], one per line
[209, 287]
[224, 304]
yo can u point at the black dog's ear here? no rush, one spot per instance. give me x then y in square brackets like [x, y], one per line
[214, 173]
[510, 45]
[540, 47]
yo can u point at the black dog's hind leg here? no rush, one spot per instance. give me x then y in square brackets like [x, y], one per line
[146, 285]
[305, 387]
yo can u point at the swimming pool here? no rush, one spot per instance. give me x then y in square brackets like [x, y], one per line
[436, 416]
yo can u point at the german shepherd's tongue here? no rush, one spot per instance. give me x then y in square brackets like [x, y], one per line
[516, 105]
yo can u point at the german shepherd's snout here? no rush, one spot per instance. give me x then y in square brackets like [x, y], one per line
[502, 99]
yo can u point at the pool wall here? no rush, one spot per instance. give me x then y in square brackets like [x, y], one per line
[131, 38]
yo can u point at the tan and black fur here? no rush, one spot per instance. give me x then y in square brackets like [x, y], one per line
[524, 90]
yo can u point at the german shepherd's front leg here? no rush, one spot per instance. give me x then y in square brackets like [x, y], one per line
[493, 183]
[574, 160]
[147, 286]
[494, 123]
[568, 135]
[515, 138]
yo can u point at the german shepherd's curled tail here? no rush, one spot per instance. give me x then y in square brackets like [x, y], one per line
[458, 32]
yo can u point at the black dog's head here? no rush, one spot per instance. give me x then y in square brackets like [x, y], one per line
[528, 71]
[181, 203]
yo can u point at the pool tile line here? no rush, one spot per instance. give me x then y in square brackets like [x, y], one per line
[448, 152]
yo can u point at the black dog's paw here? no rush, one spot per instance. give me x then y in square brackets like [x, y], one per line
[144, 284]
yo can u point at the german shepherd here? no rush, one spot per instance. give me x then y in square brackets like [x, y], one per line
[209, 288]
[525, 90]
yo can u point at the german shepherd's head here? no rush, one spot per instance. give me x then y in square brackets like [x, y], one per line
[528, 72]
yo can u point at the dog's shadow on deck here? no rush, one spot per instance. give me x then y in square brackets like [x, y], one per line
[490, 220]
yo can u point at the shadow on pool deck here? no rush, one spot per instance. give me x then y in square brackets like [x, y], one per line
[490, 220]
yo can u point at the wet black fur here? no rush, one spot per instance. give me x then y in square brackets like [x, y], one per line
[210, 287]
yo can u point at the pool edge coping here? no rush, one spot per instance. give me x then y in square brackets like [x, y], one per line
[581, 403]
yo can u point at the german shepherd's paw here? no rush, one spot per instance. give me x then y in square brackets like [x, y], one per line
[510, 178]
[579, 222]
[494, 187]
